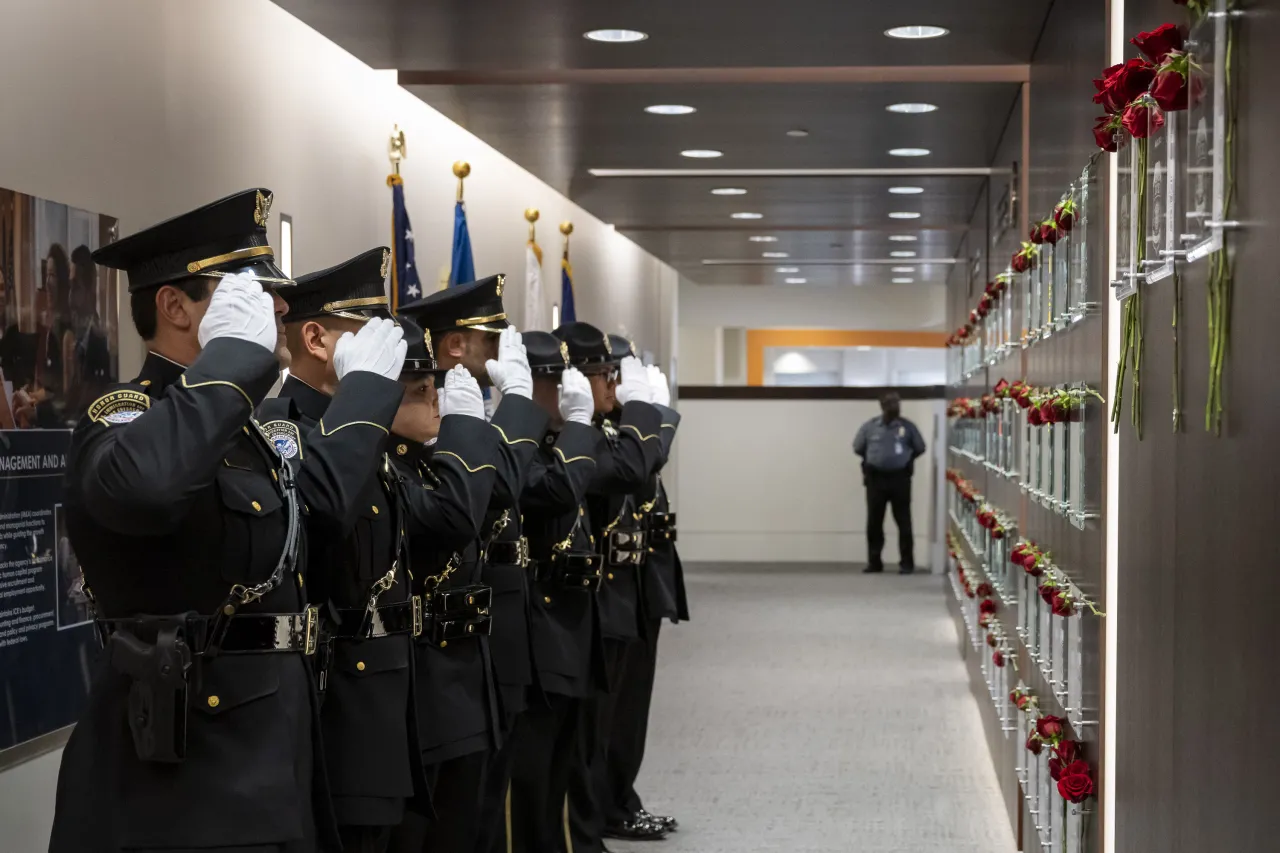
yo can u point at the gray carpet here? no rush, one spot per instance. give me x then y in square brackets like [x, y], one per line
[813, 709]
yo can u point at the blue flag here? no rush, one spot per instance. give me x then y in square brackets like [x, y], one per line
[568, 314]
[464, 268]
[405, 286]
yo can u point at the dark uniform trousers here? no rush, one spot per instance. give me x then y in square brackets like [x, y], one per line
[627, 458]
[368, 716]
[889, 488]
[173, 496]
[564, 637]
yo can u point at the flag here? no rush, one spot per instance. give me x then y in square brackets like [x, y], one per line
[567, 312]
[533, 287]
[463, 270]
[405, 286]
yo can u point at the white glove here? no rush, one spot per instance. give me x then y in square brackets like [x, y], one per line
[378, 347]
[240, 308]
[511, 371]
[661, 388]
[461, 394]
[634, 386]
[577, 403]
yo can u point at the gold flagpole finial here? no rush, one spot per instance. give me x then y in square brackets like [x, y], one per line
[566, 228]
[396, 150]
[460, 171]
[531, 216]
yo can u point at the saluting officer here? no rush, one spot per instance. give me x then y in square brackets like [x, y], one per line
[465, 728]
[626, 457]
[662, 597]
[200, 731]
[564, 623]
[359, 562]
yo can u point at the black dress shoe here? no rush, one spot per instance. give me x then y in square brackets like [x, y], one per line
[636, 830]
[907, 570]
[670, 824]
[873, 570]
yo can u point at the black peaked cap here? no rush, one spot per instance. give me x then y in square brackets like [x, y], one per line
[419, 358]
[587, 344]
[477, 305]
[547, 353]
[355, 289]
[621, 347]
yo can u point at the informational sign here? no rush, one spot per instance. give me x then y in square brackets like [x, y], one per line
[58, 352]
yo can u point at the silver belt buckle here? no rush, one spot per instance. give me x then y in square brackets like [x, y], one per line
[522, 552]
[312, 629]
[417, 616]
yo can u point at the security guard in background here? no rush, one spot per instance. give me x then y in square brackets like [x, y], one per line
[201, 730]
[662, 597]
[359, 563]
[467, 727]
[626, 458]
[564, 622]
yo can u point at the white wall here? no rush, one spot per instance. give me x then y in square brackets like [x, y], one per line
[911, 309]
[145, 108]
[777, 481]
[701, 357]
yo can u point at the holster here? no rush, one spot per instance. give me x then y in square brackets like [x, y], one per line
[662, 527]
[458, 613]
[626, 548]
[158, 673]
[577, 570]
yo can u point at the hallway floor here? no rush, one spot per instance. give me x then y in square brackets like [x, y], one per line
[813, 710]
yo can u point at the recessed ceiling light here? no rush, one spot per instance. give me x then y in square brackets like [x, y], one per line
[797, 280]
[903, 238]
[917, 31]
[788, 269]
[864, 349]
[616, 36]
[747, 215]
[774, 255]
[906, 190]
[912, 108]
[763, 238]
[728, 191]
[909, 152]
[902, 254]
[904, 214]
[798, 133]
[904, 269]
[903, 280]
[702, 153]
[670, 110]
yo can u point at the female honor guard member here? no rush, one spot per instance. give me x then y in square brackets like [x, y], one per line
[201, 730]
[359, 562]
[564, 623]
[626, 458]
[469, 327]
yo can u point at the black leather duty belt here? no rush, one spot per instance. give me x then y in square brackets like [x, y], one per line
[385, 620]
[458, 613]
[582, 571]
[627, 548]
[662, 526]
[512, 552]
[245, 634]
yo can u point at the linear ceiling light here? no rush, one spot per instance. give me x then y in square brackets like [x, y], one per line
[797, 281]
[903, 280]
[746, 215]
[903, 238]
[728, 191]
[763, 238]
[917, 31]
[909, 152]
[911, 108]
[904, 214]
[670, 110]
[615, 36]
[904, 269]
[906, 190]
[787, 269]
[902, 254]
[701, 153]
[774, 255]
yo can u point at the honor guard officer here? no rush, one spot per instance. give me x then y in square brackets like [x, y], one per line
[627, 455]
[564, 623]
[662, 597]
[201, 728]
[358, 562]
[469, 328]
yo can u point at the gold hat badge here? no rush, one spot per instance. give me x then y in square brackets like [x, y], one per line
[262, 209]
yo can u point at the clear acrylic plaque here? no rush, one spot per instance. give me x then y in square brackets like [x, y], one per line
[1045, 270]
[1205, 148]
[1075, 670]
[1127, 274]
[1062, 285]
[1084, 192]
[1162, 196]
[1075, 828]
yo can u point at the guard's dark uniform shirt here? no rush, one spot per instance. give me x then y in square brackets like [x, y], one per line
[173, 496]
[665, 596]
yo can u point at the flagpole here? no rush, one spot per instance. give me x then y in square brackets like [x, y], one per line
[396, 151]
[460, 171]
[531, 215]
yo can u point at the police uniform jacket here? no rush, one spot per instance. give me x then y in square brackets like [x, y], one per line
[664, 591]
[173, 496]
[626, 457]
[564, 622]
[368, 719]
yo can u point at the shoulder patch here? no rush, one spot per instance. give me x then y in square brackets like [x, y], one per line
[119, 407]
[285, 437]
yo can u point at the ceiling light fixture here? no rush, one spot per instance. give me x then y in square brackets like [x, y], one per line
[798, 133]
[615, 36]
[904, 214]
[904, 269]
[774, 255]
[787, 269]
[728, 191]
[797, 281]
[903, 238]
[906, 190]
[702, 153]
[864, 349]
[909, 152]
[912, 108]
[670, 110]
[903, 280]
[763, 238]
[902, 254]
[743, 215]
[917, 31]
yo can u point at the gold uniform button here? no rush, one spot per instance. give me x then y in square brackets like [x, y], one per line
[375, 510]
[257, 507]
[402, 449]
[444, 644]
[214, 701]
[650, 550]
[610, 575]
[360, 666]
[546, 599]
[146, 383]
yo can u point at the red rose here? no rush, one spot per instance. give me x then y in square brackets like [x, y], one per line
[1050, 728]
[1047, 414]
[968, 591]
[1001, 387]
[1034, 745]
[1064, 215]
[1049, 232]
[1047, 593]
[998, 658]
[1036, 236]
[991, 640]
[1170, 91]
[983, 309]
[1142, 118]
[997, 532]
[1130, 81]
[1157, 43]
[1062, 605]
[1020, 262]
[985, 590]
[1076, 782]
[1068, 751]
[973, 317]
[1104, 134]
[1104, 84]
[1022, 702]
[988, 607]
[1024, 398]
[1033, 416]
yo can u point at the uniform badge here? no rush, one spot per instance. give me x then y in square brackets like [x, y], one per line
[386, 262]
[609, 430]
[285, 437]
[262, 209]
[902, 432]
[564, 353]
[497, 290]
[119, 407]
